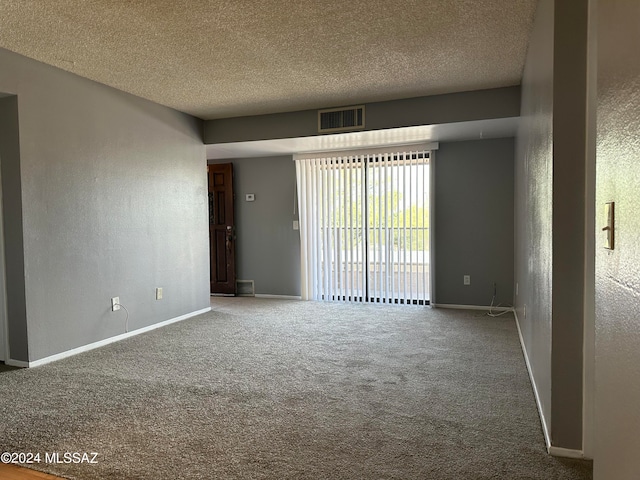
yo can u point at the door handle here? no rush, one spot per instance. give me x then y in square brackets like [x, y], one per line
[229, 237]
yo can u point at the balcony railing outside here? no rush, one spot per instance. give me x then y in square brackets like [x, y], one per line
[388, 271]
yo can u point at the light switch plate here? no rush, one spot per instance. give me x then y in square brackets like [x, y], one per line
[609, 229]
[250, 197]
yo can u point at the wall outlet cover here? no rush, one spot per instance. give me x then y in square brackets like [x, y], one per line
[115, 304]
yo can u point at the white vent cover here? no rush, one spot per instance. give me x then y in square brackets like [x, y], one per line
[245, 288]
[341, 119]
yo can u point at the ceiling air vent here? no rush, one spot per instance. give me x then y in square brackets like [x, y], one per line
[341, 119]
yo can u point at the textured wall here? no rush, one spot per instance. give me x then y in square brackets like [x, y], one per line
[455, 107]
[114, 204]
[550, 213]
[267, 248]
[474, 221]
[617, 280]
[533, 172]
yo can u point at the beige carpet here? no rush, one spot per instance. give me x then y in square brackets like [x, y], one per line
[271, 389]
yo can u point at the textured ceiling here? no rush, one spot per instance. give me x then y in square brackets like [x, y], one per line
[226, 58]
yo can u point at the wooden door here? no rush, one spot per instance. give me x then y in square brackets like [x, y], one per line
[222, 229]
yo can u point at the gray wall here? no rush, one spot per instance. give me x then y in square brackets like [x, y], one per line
[550, 215]
[474, 221]
[617, 280]
[16, 308]
[113, 204]
[268, 249]
[436, 109]
[533, 187]
[569, 211]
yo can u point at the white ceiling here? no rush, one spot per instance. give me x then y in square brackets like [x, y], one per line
[226, 58]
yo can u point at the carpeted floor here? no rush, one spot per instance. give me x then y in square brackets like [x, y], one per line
[272, 389]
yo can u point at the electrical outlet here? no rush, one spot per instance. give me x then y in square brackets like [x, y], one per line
[524, 311]
[296, 225]
[516, 288]
[115, 304]
[159, 293]
[467, 279]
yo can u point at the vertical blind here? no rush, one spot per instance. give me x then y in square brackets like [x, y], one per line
[364, 225]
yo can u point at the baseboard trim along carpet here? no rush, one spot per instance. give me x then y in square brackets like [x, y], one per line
[543, 420]
[16, 363]
[565, 452]
[281, 297]
[101, 343]
[472, 307]
[555, 451]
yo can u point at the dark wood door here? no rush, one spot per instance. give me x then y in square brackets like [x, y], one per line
[222, 229]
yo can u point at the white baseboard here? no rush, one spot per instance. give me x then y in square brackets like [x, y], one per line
[16, 363]
[543, 420]
[565, 452]
[106, 341]
[472, 307]
[281, 297]
[555, 451]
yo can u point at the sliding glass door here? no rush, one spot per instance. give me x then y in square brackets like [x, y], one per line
[365, 226]
[398, 230]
